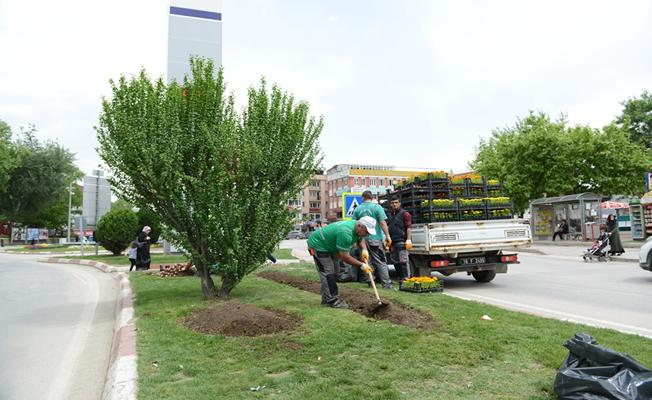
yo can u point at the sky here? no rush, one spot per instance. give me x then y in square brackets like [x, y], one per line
[412, 84]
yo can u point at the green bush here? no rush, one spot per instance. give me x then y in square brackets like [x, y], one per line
[116, 229]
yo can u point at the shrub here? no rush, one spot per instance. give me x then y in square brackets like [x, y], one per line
[116, 229]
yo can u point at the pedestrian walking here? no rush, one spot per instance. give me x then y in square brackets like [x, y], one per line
[332, 243]
[399, 224]
[615, 245]
[132, 254]
[143, 258]
[376, 245]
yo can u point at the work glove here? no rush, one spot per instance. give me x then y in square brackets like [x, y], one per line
[365, 268]
[408, 244]
[364, 255]
[388, 243]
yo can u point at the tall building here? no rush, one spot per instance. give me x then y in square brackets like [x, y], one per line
[194, 28]
[310, 203]
[357, 178]
[314, 198]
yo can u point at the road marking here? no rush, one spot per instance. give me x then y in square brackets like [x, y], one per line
[564, 316]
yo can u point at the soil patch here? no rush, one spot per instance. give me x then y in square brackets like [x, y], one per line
[238, 319]
[361, 302]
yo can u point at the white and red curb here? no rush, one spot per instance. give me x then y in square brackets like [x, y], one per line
[123, 367]
[122, 375]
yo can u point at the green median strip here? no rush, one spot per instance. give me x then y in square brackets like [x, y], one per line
[338, 354]
[284, 254]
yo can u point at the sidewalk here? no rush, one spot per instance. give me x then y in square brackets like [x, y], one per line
[577, 247]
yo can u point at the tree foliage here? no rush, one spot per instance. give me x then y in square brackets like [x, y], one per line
[116, 229]
[38, 178]
[219, 180]
[636, 119]
[6, 157]
[539, 156]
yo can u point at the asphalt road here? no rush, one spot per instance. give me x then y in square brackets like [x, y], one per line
[614, 294]
[56, 329]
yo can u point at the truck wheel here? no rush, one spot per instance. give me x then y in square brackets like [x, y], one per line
[484, 276]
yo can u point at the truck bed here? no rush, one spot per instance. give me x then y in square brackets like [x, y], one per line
[451, 238]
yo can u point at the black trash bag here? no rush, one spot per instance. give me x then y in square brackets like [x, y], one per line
[594, 372]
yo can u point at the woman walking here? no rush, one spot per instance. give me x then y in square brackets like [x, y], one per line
[615, 246]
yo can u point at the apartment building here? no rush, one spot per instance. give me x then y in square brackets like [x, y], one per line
[357, 178]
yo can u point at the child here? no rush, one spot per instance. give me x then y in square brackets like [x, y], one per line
[132, 255]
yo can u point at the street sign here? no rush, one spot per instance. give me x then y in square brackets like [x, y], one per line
[97, 199]
[350, 201]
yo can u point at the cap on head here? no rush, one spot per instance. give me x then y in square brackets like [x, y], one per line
[369, 223]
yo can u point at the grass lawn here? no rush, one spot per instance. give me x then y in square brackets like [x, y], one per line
[338, 354]
[48, 249]
[284, 254]
[123, 260]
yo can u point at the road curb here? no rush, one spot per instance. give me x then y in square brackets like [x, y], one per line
[122, 375]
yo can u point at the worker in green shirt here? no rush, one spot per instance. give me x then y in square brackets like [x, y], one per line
[375, 242]
[333, 242]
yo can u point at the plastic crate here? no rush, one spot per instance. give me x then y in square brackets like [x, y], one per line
[418, 289]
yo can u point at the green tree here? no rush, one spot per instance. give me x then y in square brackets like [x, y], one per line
[218, 179]
[56, 214]
[527, 158]
[121, 205]
[40, 177]
[116, 229]
[7, 160]
[636, 118]
[538, 156]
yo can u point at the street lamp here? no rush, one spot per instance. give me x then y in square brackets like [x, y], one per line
[69, 208]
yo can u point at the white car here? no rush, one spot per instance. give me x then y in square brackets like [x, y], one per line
[645, 255]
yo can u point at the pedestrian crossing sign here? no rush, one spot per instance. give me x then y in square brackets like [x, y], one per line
[349, 203]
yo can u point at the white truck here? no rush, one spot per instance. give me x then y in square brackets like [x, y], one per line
[479, 248]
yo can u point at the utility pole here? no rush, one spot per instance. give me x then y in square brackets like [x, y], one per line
[69, 209]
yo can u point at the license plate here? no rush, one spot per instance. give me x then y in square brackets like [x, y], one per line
[472, 260]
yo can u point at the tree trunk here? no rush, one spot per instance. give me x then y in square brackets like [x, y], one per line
[207, 285]
[228, 283]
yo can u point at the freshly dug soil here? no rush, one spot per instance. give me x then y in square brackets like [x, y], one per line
[361, 302]
[238, 319]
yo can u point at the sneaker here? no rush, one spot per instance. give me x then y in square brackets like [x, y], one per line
[387, 286]
[340, 304]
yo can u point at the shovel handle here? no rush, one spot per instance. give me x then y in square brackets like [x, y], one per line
[373, 285]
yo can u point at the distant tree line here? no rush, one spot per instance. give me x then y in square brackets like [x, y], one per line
[35, 177]
[539, 155]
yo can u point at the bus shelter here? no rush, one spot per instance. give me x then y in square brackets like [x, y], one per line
[581, 212]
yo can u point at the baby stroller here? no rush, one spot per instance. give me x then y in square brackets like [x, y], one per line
[597, 251]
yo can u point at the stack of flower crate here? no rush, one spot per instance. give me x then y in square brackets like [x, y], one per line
[434, 197]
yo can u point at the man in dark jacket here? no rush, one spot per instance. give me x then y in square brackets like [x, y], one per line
[399, 223]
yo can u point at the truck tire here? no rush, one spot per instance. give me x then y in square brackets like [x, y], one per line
[484, 276]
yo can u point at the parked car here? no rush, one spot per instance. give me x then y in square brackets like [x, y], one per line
[295, 235]
[645, 255]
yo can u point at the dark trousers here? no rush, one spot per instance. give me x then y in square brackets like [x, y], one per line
[559, 234]
[133, 264]
[327, 266]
